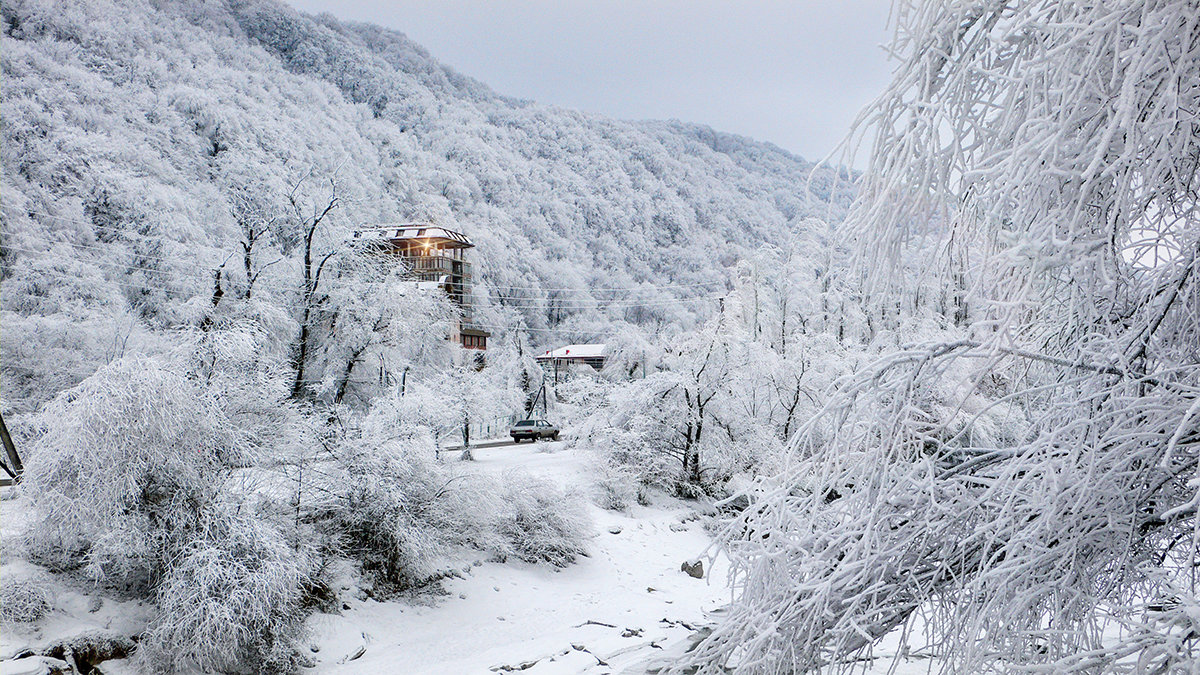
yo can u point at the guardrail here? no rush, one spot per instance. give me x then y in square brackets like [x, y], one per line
[451, 436]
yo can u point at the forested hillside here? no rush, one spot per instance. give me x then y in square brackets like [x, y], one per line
[143, 142]
[235, 413]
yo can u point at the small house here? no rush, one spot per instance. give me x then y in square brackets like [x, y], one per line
[563, 358]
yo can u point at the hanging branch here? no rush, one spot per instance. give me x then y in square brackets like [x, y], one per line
[1023, 522]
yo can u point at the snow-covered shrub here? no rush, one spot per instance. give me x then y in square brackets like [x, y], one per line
[129, 480]
[230, 597]
[615, 486]
[636, 433]
[23, 600]
[751, 450]
[117, 480]
[394, 508]
[1166, 634]
[541, 522]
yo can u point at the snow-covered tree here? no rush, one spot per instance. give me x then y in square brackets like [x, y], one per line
[1021, 492]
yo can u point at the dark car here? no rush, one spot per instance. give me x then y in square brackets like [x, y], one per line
[532, 430]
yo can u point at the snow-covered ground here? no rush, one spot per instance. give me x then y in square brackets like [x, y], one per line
[624, 608]
[74, 612]
[624, 604]
[614, 610]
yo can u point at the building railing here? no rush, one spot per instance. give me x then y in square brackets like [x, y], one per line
[438, 263]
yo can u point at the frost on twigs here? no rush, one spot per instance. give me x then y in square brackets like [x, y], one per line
[231, 597]
[972, 517]
[23, 600]
[1021, 493]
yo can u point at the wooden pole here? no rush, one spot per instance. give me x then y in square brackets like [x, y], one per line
[14, 468]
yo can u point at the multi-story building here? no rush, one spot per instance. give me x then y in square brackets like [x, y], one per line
[435, 255]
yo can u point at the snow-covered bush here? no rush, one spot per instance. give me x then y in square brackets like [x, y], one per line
[230, 598]
[405, 517]
[125, 464]
[540, 522]
[616, 486]
[23, 600]
[391, 506]
[634, 436]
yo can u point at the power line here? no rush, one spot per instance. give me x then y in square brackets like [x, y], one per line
[512, 329]
[104, 263]
[327, 311]
[586, 289]
[97, 226]
[531, 301]
[110, 250]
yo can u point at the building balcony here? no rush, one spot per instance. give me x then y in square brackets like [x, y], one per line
[439, 265]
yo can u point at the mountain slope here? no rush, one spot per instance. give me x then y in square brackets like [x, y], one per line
[139, 136]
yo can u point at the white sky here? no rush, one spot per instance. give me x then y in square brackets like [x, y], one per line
[792, 73]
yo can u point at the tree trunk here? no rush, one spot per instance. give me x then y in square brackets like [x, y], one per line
[301, 355]
[311, 280]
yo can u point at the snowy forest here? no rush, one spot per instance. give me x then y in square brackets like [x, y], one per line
[940, 415]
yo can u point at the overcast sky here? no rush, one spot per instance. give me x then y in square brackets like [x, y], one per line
[794, 73]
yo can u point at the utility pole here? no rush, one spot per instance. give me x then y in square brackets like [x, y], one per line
[540, 395]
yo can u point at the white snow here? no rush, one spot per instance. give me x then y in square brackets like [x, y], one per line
[623, 608]
[74, 609]
[626, 607]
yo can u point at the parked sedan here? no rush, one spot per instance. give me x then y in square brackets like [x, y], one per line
[533, 430]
